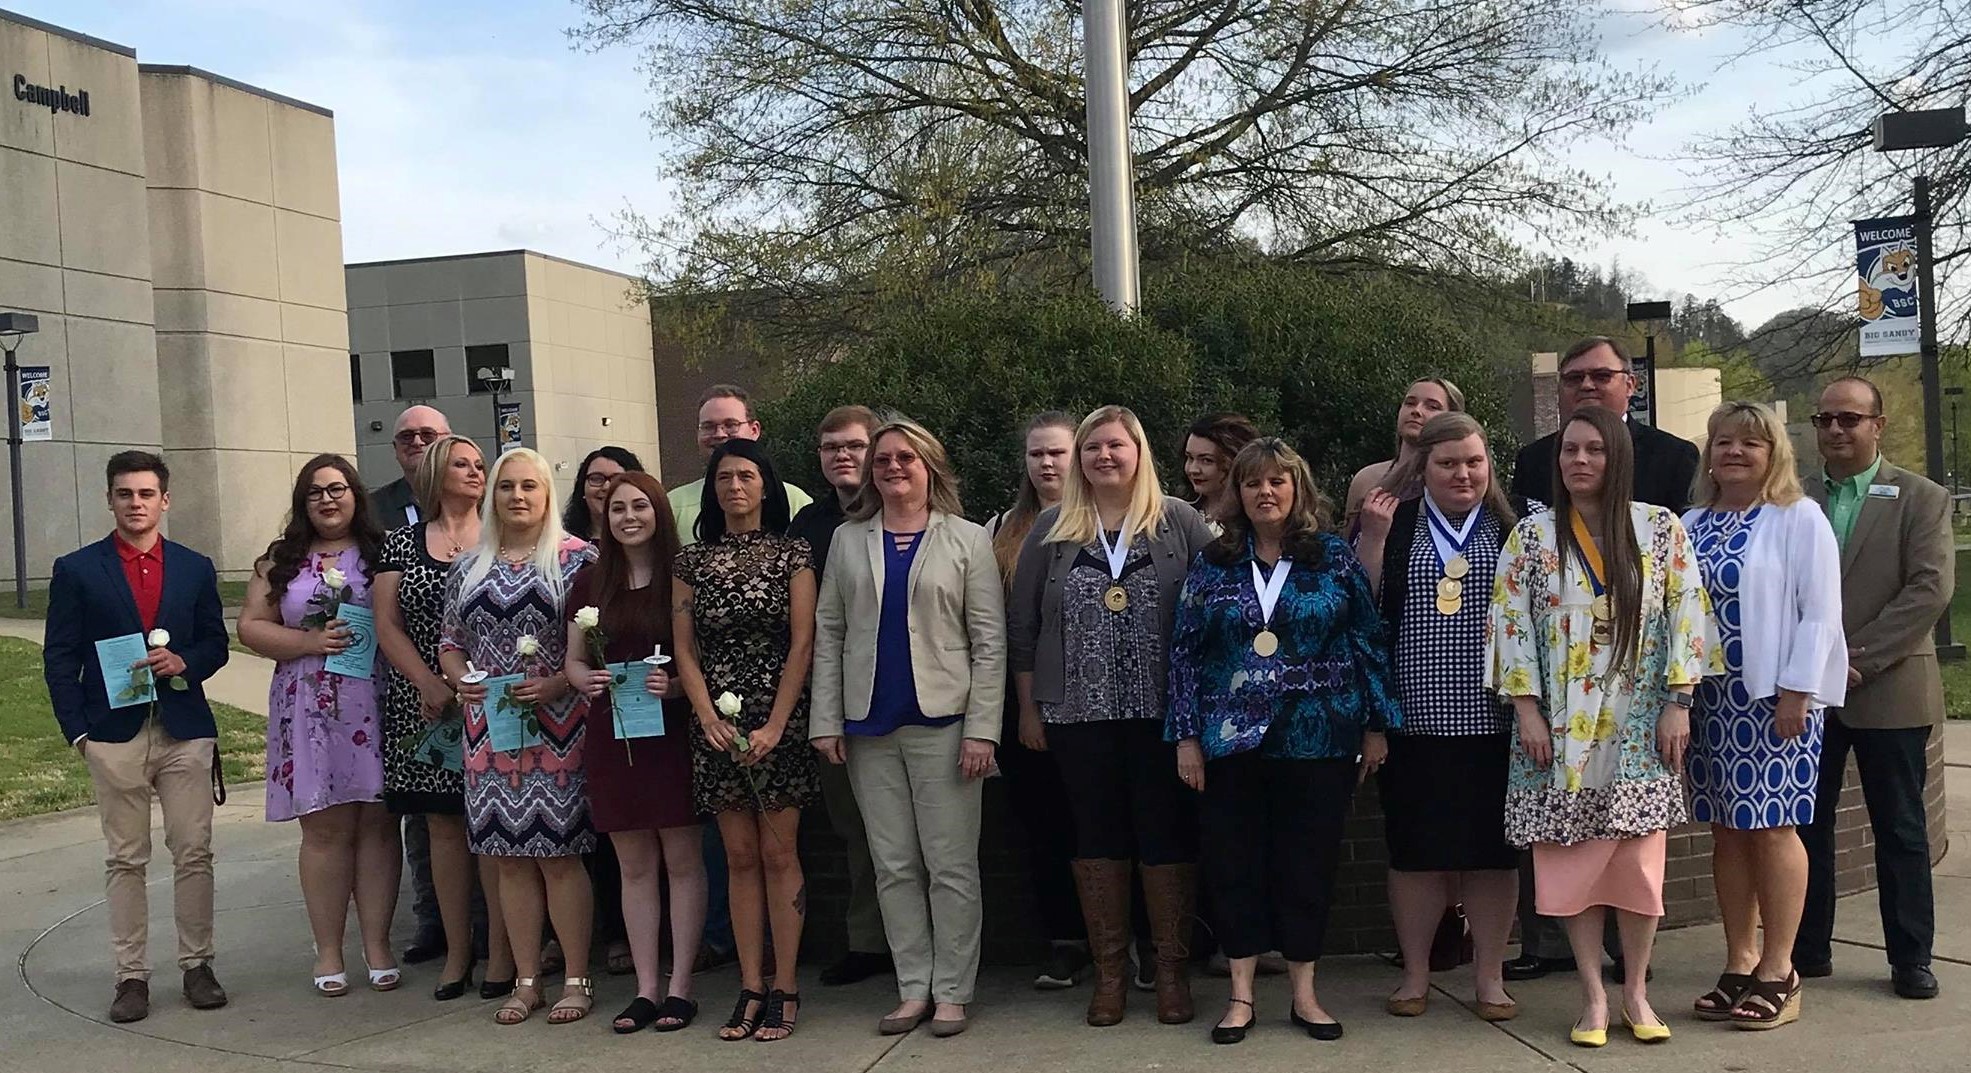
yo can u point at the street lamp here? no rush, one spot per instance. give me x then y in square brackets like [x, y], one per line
[15, 327]
[496, 381]
[1935, 128]
[1649, 315]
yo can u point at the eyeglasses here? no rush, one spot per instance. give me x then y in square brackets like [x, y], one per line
[729, 427]
[901, 460]
[418, 435]
[1847, 419]
[1600, 377]
[330, 491]
[597, 480]
[849, 447]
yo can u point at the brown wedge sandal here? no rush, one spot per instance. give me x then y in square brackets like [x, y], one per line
[1717, 1003]
[1768, 1004]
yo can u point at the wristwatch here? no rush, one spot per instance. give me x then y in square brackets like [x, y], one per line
[1683, 699]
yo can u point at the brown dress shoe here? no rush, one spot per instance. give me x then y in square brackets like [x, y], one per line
[202, 989]
[132, 1002]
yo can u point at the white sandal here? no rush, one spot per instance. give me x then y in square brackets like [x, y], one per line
[385, 979]
[334, 985]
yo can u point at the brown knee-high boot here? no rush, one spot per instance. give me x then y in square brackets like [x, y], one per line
[1170, 894]
[1104, 888]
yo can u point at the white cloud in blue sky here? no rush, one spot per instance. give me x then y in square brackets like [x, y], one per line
[468, 125]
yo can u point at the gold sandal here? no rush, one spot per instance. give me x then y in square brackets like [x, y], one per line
[576, 1004]
[518, 1008]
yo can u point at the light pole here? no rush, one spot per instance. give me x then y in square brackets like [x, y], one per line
[495, 380]
[1649, 315]
[1111, 169]
[1955, 479]
[15, 327]
[1936, 128]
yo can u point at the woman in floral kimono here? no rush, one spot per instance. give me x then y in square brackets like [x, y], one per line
[1600, 631]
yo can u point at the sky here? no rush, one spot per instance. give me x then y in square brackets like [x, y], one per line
[465, 125]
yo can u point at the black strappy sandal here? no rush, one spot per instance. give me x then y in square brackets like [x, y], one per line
[639, 1013]
[1235, 1033]
[675, 1013]
[775, 1016]
[1717, 1003]
[745, 1026]
[1768, 1004]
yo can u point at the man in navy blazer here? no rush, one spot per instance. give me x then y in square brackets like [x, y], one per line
[136, 582]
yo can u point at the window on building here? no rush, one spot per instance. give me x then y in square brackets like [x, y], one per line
[356, 377]
[413, 374]
[491, 357]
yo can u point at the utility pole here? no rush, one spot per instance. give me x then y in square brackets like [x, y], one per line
[1111, 167]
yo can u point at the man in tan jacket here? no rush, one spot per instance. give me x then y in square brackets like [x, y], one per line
[1897, 572]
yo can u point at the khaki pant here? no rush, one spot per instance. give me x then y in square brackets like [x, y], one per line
[179, 773]
[923, 818]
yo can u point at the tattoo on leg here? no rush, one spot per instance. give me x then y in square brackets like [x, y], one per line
[801, 900]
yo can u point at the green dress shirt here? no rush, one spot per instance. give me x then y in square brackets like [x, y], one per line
[1844, 500]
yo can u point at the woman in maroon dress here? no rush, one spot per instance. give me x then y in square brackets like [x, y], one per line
[640, 788]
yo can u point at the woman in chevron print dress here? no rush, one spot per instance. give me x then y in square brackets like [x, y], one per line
[528, 807]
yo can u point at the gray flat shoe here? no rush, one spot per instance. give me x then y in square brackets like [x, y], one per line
[901, 1026]
[945, 1029]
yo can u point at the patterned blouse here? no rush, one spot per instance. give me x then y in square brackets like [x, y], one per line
[1607, 779]
[1110, 653]
[1329, 681]
[1440, 659]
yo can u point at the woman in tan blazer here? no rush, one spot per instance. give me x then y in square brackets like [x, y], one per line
[909, 682]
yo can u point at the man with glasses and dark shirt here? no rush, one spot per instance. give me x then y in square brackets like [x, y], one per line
[1898, 570]
[417, 428]
[844, 436]
[1593, 372]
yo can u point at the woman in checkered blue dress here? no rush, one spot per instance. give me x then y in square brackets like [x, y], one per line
[1444, 786]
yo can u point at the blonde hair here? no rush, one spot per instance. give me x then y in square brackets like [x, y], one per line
[868, 501]
[1078, 521]
[547, 551]
[1752, 421]
[428, 483]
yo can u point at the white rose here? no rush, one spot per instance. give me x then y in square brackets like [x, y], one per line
[527, 646]
[588, 618]
[727, 704]
[334, 578]
[158, 638]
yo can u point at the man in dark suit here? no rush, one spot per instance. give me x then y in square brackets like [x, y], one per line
[1593, 372]
[1898, 569]
[1596, 372]
[136, 582]
[395, 504]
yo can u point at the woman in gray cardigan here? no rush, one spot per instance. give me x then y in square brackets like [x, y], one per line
[1089, 623]
[909, 688]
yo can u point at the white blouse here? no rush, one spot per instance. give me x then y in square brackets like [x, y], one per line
[1790, 598]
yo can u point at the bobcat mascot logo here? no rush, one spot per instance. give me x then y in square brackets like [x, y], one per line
[1894, 271]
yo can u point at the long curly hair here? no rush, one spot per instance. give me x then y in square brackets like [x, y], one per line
[283, 558]
[1311, 515]
[575, 519]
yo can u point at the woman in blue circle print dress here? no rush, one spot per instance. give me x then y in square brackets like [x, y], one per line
[1770, 562]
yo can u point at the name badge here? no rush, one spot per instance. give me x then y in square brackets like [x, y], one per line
[1884, 491]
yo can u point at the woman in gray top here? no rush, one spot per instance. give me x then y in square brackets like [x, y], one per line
[1089, 623]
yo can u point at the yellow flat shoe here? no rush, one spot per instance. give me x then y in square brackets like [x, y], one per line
[1588, 1037]
[1646, 1033]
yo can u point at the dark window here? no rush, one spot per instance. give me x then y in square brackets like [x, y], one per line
[491, 357]
[356, 377]
[413, 374]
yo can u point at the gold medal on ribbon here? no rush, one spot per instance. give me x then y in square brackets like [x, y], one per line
[1448, 606]
[1265, 643]
[1603, 610]
[1457, 568]
[1116, 599]
[1450, 588]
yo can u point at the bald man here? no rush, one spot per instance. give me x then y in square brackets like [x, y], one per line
[416, 429]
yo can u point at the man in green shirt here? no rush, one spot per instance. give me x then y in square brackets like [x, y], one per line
[724, 412]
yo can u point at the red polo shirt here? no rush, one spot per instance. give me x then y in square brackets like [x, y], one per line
[144, 570]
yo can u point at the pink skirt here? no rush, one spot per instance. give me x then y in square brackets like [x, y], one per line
[1624, 874]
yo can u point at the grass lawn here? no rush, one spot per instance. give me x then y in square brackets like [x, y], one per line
[1957, 676]
[231, 593]
[39, 773]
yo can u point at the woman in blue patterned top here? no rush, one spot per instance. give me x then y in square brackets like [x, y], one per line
[1279, 681]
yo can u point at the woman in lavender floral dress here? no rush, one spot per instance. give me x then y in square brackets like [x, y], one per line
[324, 758]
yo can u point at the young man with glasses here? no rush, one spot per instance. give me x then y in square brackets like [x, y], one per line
[417, 428]
[136, 583]
[1593, 372]
[844, 437]
[1897, 573]
[725, 412]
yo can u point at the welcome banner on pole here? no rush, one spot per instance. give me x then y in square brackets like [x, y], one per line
[509, 426]
[1885, 264]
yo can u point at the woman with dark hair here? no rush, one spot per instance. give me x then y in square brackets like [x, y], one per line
[742, 611]
[1279, 681]
[1432, 559]
[1599, 631]
[583, 516]
[1213, 441]
[640, 788]
[324, 738]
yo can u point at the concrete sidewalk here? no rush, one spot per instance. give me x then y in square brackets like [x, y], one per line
[52, 1012]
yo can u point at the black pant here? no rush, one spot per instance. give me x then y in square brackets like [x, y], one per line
[1892, 767]
[606, 880]
[1123, 790]
[1272, 839]
[1038, 797]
